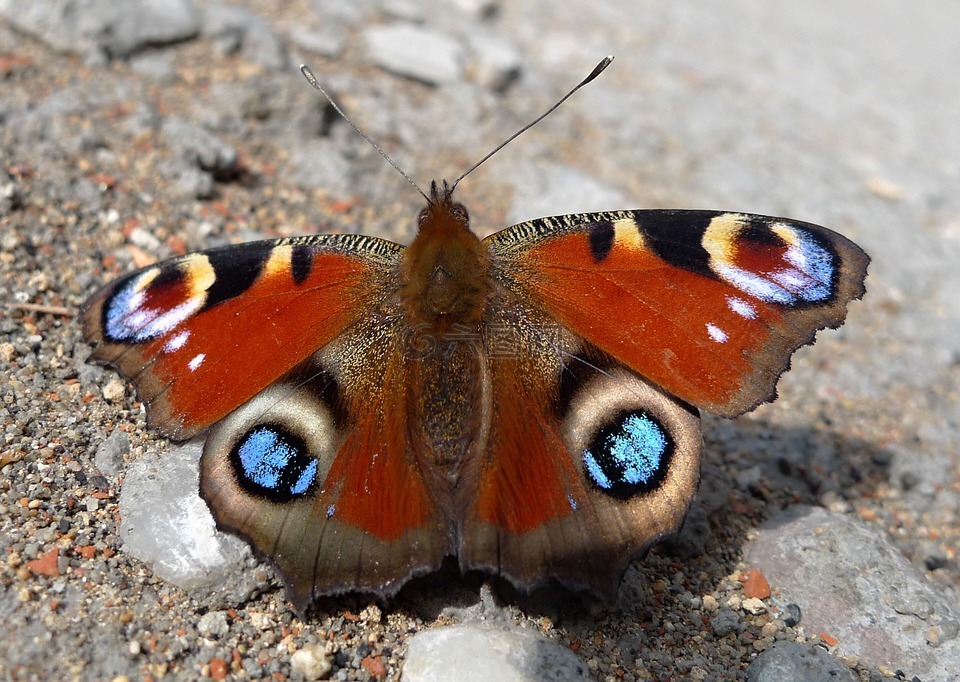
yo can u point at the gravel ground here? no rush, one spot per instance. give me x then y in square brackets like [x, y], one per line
[130, 135]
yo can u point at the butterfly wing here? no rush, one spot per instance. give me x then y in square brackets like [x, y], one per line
[319, 474]
[586, 464]
[707, 305]
[609, 330]
[203, 333]
[293, 350]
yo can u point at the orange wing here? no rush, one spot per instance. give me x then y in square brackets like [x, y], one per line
[203, 333]
[585, 464]
[708, 305]
[318, 474]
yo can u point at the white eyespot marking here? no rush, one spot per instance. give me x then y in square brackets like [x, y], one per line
[573, 502]
[331, 510]
[753, 284]
[196, 361]
[742, 308]
[802, 273]
[176, 342]
[716, 333]
[132, 316]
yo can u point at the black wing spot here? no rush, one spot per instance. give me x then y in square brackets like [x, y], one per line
[677, 238]
[242, 262]
[301, 263]
[602, 235]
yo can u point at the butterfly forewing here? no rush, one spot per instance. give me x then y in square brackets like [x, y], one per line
[202, 334]
[707, 305]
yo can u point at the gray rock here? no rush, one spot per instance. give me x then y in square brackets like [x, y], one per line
[726, 622]
[497, 61]
[856, 587]
[478, 9]
[406, 10]
[345, 11]
[415, 52]
[110, 454]
[478, 652]
[113, 29]
[799, 663]
[190, 181]
[239, 30]
[11, 195]
[155, 64]
[318, 164]
[165, 523]
[201, 147]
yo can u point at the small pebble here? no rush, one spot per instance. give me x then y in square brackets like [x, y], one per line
[114, 390]
[313, 661]
[753, 606]
[213, 624]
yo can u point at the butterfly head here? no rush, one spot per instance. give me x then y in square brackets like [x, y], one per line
[442, 214]
[445, 268]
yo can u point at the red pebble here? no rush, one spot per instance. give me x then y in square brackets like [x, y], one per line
[218, 669]
[830, 640]
[374, 666]
[755, 584]
[47, 564]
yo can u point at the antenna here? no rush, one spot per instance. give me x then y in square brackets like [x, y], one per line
[597, 70]
[308, 74]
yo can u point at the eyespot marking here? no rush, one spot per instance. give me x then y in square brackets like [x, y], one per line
[629, 455]
[155, 301]
[775, 263]
[272, 462]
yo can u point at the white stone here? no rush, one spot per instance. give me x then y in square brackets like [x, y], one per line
[165, 523]
[313, 661]
[479, 652]
[213, 624]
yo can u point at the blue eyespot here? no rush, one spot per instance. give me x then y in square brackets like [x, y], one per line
[628, 455]
[274, 463]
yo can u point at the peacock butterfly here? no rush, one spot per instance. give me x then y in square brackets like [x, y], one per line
[527, 403]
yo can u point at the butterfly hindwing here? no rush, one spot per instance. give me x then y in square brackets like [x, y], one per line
[318, 473]
[203, 333]
[707, 305]
[585, 465]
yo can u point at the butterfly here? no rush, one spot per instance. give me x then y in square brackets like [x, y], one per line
[527, 403]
